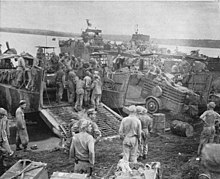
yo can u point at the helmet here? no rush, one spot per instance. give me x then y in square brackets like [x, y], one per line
[140, 109]
[3, 111]
[132, 108]
[211, 105]
[22, 102]
[72, 74]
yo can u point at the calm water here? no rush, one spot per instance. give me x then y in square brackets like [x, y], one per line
[27, 43]
[211, 52]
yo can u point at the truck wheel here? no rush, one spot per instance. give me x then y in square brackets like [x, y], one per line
[152, 105]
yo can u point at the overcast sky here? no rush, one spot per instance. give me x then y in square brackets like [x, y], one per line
[197, 20]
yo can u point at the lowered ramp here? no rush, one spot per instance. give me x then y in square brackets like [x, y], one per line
[59, 118]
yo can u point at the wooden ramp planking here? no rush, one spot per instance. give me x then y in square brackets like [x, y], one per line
[59, 118]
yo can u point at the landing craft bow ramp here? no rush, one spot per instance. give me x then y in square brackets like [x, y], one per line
[59, 119]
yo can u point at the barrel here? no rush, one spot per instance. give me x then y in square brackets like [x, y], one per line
[30, 170]
[62, 175]
[159, 121]
[181, 128]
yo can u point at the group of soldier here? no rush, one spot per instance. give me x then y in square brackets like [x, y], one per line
[22, 137]
[23, 69]
[82, 80]
[134, 131]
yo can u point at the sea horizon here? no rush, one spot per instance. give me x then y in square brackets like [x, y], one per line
[28, 42]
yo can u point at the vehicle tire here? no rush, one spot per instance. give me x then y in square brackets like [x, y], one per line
[152, 105]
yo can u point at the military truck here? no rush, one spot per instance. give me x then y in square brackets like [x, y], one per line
[161, 94]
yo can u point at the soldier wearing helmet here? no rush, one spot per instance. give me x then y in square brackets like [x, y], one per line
[209, 118]
[96, 87]
[71, 88]
[95, 132]
[4, 132]
[79, 92]
[22, 137]
[87, 92]
[82, 149]
[60, 83]
[130, 133]
[146, 124]
[20, 70]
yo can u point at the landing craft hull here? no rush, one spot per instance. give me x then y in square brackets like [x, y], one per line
[11, 96]
[113, 94]
[113, 99]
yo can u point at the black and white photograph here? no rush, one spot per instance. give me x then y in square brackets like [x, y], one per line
[109, 89]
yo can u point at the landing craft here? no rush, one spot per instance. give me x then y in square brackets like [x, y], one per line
[41, 96]
[91, 41]
[203, 78]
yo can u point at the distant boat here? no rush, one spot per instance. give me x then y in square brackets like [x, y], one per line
[90, 41]
[139, 39]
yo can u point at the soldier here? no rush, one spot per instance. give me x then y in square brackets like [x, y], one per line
[87, 92]
[96, 91]
[95, 132]
[20, 70]
[34, 73]
[79, 93]
[82, 149]
[41, 56]
[4, 131]
[146, 124]
[28, 72]
[130, 133]
[60, 84]
[208, 117]
[71, 87]
[53, 64]
[175, 71]
[21, 135]
[80, 69]
[66, 60]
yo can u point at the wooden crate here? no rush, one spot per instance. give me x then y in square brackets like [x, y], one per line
[37, 170]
